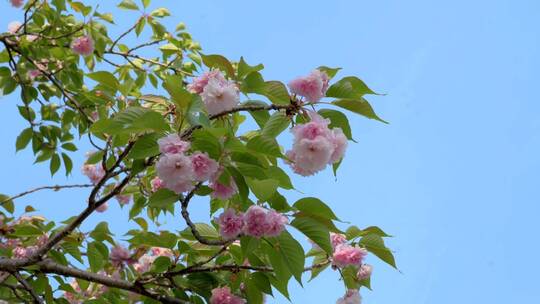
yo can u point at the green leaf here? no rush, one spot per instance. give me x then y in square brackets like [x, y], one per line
[293, 254]
[358, 106]
[375, 244]
[278, 174]
[7, 203]
[262, 282]
[160, 12]
[95, 259]
[277, 123]
[317, 270]
[146, 3]
[314, 206]
[337, 120]
[69, 146]
[218, 62]
[204, 229]
[315, 231]
[263, 189]
[106, 79]
[132, 120]
[254, 295]
[264, 144]
[161, 264]
[350, 278]
[162, 198]
[205, 141]
[145, 146]
[349, 88]
[27, 230]
[354, 232]
[180, 96]
[276, 92]
[23, 139]
[331, 72]
[68, 164]
[260, 117]
[244, 68]
[54, 164]
[128, 4]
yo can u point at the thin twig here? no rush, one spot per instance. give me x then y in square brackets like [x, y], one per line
[55, 188]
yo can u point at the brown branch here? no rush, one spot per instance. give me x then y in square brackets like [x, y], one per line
[194, 231]
[236, 268]
[48, 266]
[146, 44]
[125, 33]
[163, 65]
[28, 288]
[55, 188]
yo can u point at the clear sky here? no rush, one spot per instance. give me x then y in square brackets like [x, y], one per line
[454, 176]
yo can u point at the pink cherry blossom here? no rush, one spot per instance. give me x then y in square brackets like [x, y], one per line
[223, 295]
[315, 146]
[351, 297]
[23, 252]
[340, 142]
[17, 3]
[221, 191]
[203, 166]
[156, 184]
[176, 172]
[200, 82]
[256, 221]
[32, 74]
[83, 46]
[230, 224]
[120, 256]
[102, 208]
[144, 263]
[345, 255]
[123, 199]
[313, 86]
[160, 251]
[94, 172]
[311, 155]
[364, 271]
[318, 126]
[337, 239]
[219, 96]
[172, 144]
[14, 26]
[276, 223]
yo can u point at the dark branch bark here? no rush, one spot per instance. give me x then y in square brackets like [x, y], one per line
[28, 288]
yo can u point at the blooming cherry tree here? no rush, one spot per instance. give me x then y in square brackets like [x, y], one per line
[166, 129]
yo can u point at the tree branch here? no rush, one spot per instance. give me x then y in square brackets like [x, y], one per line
[28, 288]
[55, 188]
[48, 266]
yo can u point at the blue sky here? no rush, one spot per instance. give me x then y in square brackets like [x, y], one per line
[454, 176]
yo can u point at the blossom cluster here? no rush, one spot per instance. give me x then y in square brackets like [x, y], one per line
[179, 172]
[256, 222]
[83, 45]
[313, 86]
[223, 295]
[217, 93]
[315, 146]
